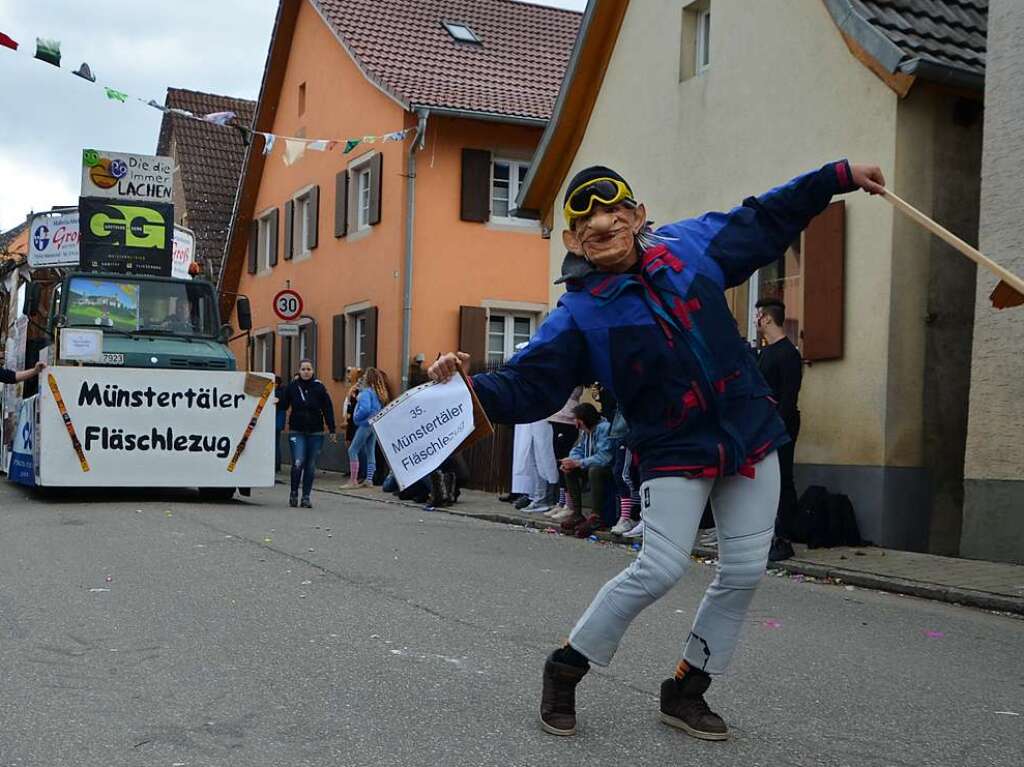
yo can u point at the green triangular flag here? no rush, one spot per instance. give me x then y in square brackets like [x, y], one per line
[351, 144]
[115, 95]
[48, 50]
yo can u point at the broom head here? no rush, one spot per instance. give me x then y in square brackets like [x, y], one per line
[254, 384]
[1005, 295]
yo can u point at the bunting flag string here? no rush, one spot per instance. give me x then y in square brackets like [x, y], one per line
[48, 51]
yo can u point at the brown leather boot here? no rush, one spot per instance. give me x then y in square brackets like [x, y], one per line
[558, 699]
[683, 706]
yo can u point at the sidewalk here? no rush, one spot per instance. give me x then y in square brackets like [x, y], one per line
[986, 585]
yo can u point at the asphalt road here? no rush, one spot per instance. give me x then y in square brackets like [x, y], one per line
[151, 629]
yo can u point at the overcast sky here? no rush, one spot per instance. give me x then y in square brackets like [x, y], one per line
[141, 48]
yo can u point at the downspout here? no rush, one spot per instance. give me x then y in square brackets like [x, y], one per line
[410, 218]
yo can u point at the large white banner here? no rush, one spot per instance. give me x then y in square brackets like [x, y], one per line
[421, 428]
[153, 428]
[53, 240]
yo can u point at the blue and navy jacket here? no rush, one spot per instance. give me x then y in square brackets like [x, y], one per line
[663, 340]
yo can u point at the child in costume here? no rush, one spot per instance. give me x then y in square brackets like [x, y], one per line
[645, 315]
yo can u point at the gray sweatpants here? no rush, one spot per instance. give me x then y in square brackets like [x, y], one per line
[744, 510]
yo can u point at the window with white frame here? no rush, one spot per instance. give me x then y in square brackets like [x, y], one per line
[307, 342]
[263, 353]
[703, 40]
[265, 241]
[507, 177]
[301, 222]
[359, 342]
[505, 331]
[363, 192]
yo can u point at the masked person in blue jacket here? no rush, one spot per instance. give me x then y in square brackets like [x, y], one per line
[645, 315]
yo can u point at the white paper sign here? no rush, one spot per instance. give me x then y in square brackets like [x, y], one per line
[53, 240]
[152, 428]
[123, 176]
[81, 344]
[182, 252]
[421, 428]
[286, 329]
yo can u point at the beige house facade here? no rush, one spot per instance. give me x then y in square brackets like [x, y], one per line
[701, 104]
[993, 525]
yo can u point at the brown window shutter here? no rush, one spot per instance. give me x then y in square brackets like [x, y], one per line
[824, 254]
[252, 352]
[286, 356]
[273, 350]
[476, 185]
[338, 348]
[289, 244]
[376, 168]
[473, 336]
[341, 204]
[254, 236]
[272, 223]
[313, 216]
[371, 337]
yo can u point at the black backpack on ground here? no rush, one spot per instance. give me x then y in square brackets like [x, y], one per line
[825, 519]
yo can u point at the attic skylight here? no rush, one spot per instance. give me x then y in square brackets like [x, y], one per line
[461, 32]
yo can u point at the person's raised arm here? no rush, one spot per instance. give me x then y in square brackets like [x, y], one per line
[758, 232]
[32, 372]
[535, 382]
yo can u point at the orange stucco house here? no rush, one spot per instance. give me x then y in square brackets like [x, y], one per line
[403, 249]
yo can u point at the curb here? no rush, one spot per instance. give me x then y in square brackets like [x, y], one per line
[951, 594]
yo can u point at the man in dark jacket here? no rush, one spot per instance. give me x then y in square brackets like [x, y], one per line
[12, 377]
[645, 315]
[782, 367]
[310, 406]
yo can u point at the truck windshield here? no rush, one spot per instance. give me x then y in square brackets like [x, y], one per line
[164, 308]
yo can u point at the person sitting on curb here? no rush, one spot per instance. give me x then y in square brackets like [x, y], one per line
[590, 459]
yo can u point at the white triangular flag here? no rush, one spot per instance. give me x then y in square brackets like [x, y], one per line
[268, 142]
[293, 150]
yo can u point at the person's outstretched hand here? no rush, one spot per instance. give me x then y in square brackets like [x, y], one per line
[869, 178]
[447, 365]
[40, 367]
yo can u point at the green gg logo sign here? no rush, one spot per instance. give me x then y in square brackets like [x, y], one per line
[136, 226]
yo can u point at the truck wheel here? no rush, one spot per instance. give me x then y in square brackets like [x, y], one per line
[216, 493]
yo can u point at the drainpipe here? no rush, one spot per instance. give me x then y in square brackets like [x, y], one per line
[410, 218]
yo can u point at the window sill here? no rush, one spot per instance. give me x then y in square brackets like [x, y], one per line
[303, 256]
[359, 234]
[521, 225]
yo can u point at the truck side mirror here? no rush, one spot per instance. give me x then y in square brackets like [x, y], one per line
[33, 292]
[244, 313]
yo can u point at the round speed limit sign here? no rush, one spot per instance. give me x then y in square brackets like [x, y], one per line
[288, 305]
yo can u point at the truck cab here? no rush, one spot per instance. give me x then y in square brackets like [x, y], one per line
[147, 322]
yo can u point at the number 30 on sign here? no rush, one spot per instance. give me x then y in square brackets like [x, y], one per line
[288, 305]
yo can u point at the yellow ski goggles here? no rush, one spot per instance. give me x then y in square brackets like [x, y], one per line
[602, 191]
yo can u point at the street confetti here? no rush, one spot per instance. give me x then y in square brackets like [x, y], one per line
[934, 634]
[771, 623]
[1006, 713]
[97, 590]
[109, 579]
[267, 540]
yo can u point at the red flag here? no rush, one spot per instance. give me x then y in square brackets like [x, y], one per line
[7, 42]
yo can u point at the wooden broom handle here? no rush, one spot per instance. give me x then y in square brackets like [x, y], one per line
[939, 231]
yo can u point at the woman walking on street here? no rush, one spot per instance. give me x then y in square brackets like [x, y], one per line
[311, 407]
[373, 395]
